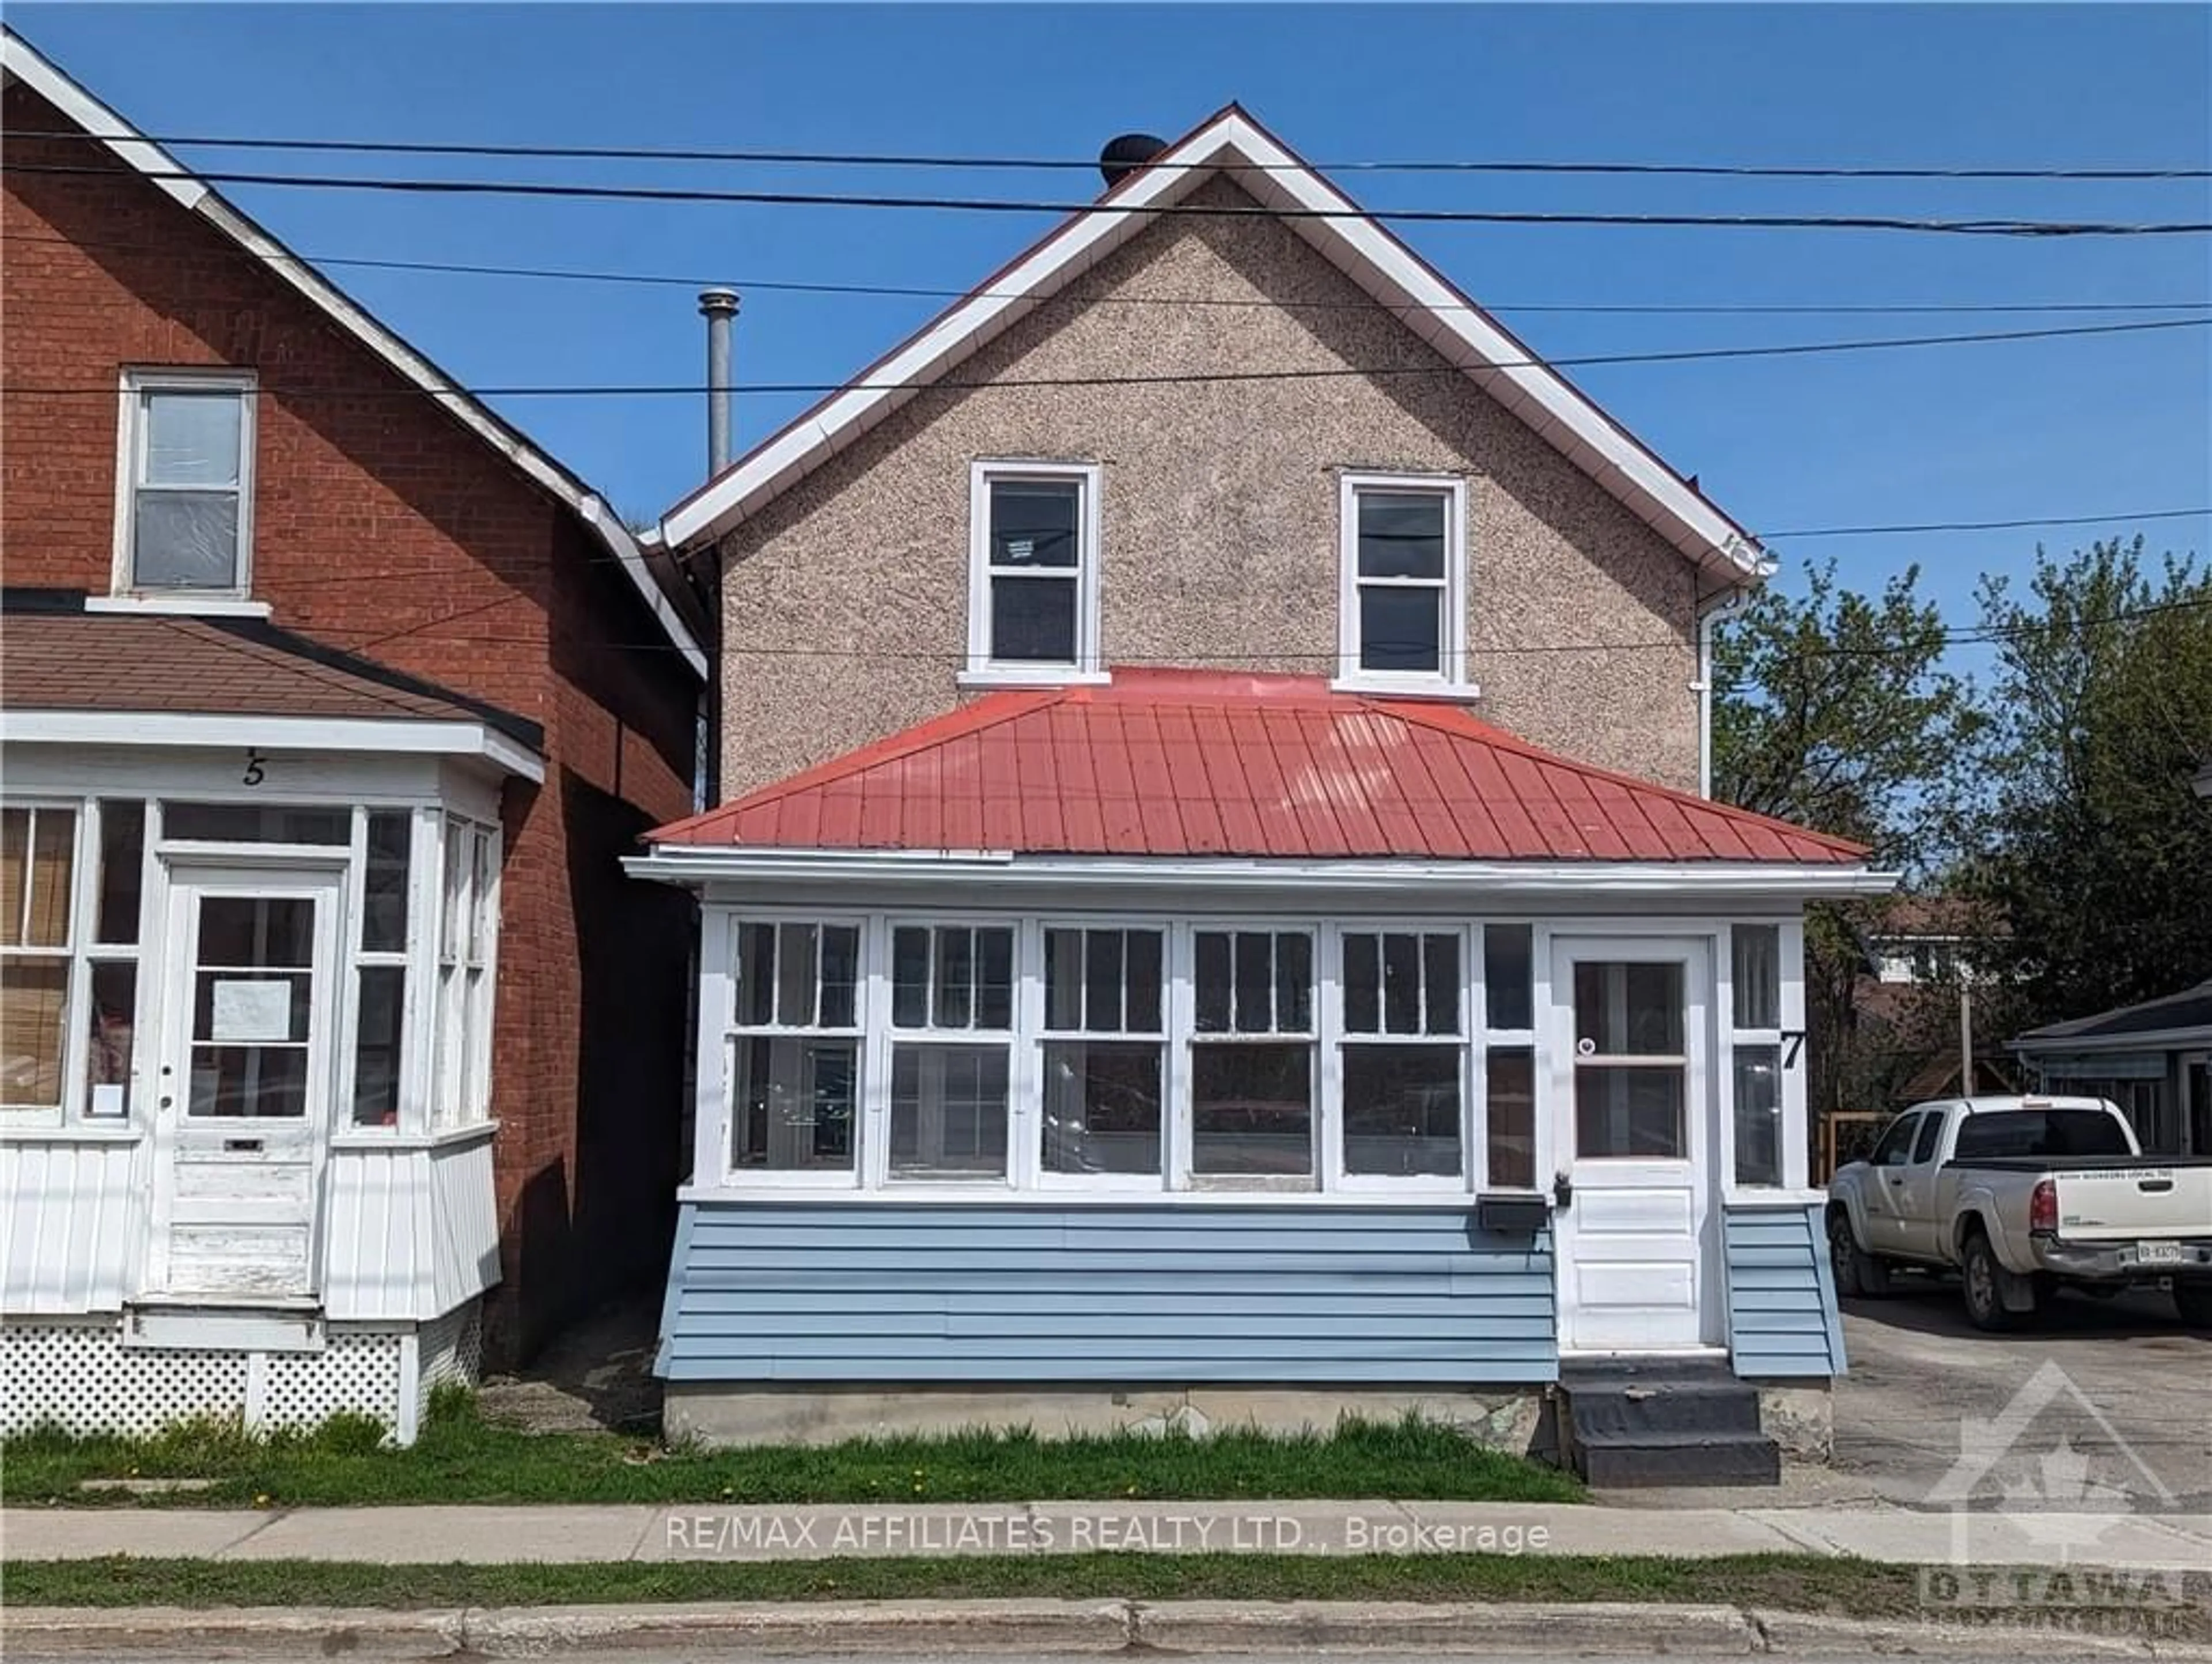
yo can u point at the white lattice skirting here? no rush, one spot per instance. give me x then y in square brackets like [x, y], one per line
[76, 1374]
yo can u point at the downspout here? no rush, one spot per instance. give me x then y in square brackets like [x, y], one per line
[1710, 619]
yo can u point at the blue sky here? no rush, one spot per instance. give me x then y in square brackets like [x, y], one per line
[2054, 427]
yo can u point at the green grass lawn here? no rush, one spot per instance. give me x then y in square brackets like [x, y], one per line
[460, 1458]
[1803, 1583]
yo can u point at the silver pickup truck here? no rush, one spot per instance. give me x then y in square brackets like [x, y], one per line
[2021, 1196]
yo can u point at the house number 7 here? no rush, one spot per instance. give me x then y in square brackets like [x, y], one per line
[1795, 1037]
[253, 774]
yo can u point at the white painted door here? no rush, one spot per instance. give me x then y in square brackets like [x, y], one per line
[243, 1104]
[1630, 1129]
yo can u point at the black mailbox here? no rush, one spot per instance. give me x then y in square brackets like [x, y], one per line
[1512, 1213]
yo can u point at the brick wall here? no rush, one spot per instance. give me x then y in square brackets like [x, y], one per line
[384, 527]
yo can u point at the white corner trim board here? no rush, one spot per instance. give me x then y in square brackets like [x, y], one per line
[143, 727]
[136, 151]
[1370, 255]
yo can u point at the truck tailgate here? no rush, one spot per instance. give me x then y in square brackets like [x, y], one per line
[2134, 1200]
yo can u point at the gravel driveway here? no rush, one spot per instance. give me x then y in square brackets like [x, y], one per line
[1918, 1368]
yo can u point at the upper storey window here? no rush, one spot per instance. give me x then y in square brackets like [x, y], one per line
[184, 511]
[1033, 571]
[1403, 608]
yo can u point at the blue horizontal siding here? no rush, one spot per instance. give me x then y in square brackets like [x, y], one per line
[1783, 1318]
[806, 1290]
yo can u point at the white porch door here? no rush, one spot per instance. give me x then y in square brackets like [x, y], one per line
[1630, 1100]
[243, 1109]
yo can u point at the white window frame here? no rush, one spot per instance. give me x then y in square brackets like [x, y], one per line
[1449, 678]
[1337, 1034]
[982, 669]
[130, 428]
[1032, 1017]
[1487, 1039]
[465, 975]
[1184, 1040]
[871, 994]
[1794, 1161]
[887, 1035]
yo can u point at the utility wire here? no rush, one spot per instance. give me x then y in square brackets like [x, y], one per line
[1989, 227]
[1042, 164]
[675, 280]
[1993, 525]
[1175, 378]
[1960, 635]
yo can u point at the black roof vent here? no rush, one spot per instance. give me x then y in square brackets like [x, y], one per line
[1123, 156]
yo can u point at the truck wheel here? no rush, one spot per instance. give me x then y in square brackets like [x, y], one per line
[1857, 1271]
[1978, 1269]
[2194, 1301]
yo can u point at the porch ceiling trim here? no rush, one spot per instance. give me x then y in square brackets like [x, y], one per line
[192, 729]
[697, 866]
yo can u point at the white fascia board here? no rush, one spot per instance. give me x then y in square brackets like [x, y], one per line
[695, 866]
[417, 736]
[125, 141]
[1350, 240]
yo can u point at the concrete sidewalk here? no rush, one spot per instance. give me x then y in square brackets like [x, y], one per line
[489, 1536]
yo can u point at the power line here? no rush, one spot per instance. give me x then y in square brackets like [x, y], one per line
[1988, 228]
[1958, 636]
[1183, 378]
[676, 280]
[1045, 164]
[1994, 525]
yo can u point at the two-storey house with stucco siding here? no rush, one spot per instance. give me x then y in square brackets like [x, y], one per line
[1212, 909]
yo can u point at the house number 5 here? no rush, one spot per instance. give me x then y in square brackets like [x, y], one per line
[254, 774]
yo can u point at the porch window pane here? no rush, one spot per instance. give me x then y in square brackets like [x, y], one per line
[1507, 962]
[1757, 1114]
[376, 1053]
[33, 1002]
[257, 932]
[1064, 979]
[253, 823]
[122, 870]
[1102, 980]
[1101, 1106]
[1142, 968]
[1211, 951]
[383, 883]
[1293, 982]
[1255, 1006]
[1440, 983]
[949, 1112]
[994, 978]
[1509, 1118]
[757, 974]
[114, 1023]
[1402, 1109]
[1363, 983]
[841, 974]
[1631, 1110]
[910, 978]
[795, 973]
[1252, 1110]
[1757, 956]
[795, 1104]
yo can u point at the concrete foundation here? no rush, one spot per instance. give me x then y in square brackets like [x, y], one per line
[1518, 1419]
[1800, 1418]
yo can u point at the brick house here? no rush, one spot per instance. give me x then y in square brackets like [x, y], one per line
[334, 1045]
[1242, 936]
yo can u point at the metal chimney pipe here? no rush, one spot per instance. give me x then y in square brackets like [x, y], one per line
[719, 307]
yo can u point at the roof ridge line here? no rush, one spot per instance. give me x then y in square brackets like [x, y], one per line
[963, 720]
[1411, 711]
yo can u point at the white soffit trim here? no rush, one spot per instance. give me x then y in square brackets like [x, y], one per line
[684, 864]
[24, 62]
[1357, 245]
[170, 728]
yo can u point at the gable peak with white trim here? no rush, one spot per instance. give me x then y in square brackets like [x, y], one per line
[1233, 143]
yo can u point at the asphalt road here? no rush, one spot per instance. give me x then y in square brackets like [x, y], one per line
[2135, 1402]
[696, 1655]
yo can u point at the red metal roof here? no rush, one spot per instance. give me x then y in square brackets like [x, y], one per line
[1193, 763]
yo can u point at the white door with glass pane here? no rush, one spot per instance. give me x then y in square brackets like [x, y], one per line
[1629, 1094]
[244, 1079]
